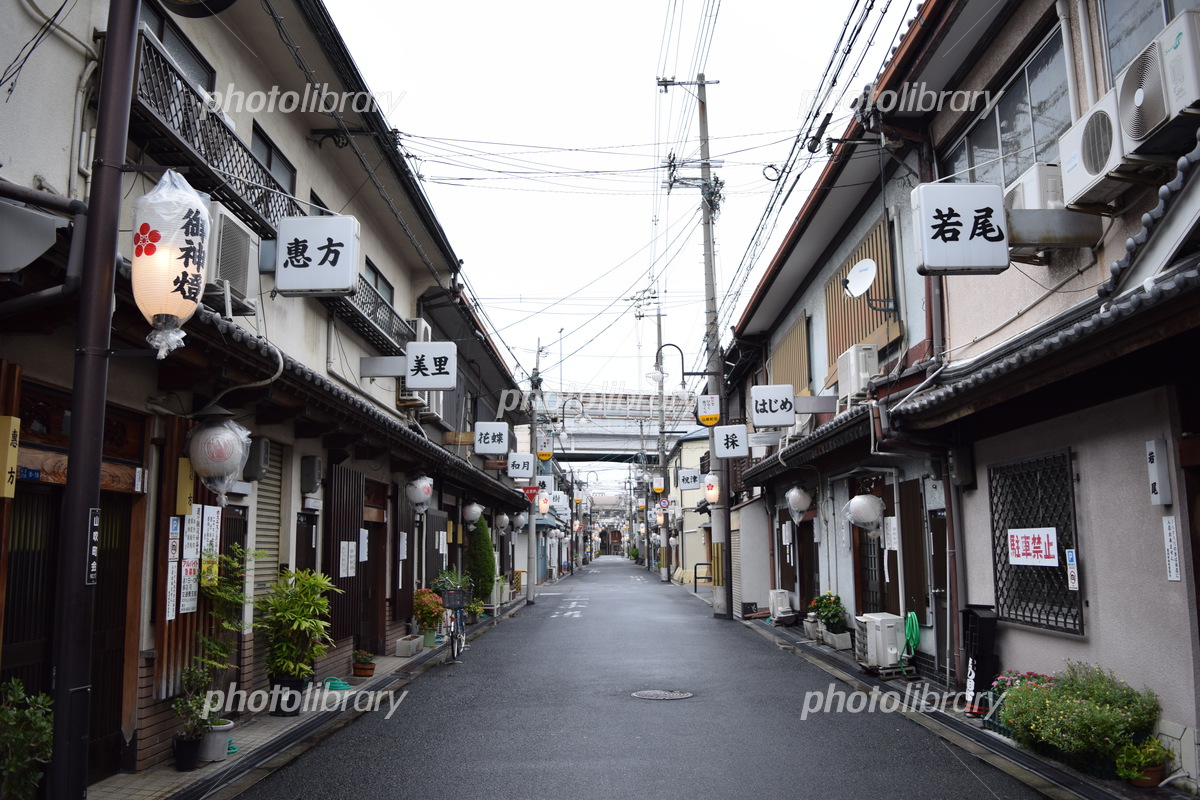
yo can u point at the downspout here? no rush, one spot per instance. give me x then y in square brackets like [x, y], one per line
[1085, 47]
[1063, 8]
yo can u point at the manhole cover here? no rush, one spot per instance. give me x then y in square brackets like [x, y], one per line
[661, 694]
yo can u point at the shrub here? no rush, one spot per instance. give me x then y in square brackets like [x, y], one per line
[427, 608]
[26, 739]
[1084, 711]
[1132, 758]
[830, 611]
[481, 560]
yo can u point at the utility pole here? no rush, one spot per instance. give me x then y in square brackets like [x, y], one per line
[709, 201]
[663, 534]
[535, 394]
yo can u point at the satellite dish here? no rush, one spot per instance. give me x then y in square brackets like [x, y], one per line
[860, 278]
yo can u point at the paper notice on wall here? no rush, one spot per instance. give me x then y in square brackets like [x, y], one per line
[402, 548]
[191, 534]
[172, 589]
[1171, 542]
[362, 544]
[210, 544]
[347, 559]
[189, 585]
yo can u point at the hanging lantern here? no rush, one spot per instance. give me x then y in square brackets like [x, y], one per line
[798, 500]
[520, 519]
[865, 511]
[543, 503]
[170, 243]
[419, 493]
[472, 512]
[502, 520]
[674, 540]
[658, 518]
[712, 489]
[218, 450]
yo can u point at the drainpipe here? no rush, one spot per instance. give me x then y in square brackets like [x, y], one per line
[1085, 47]
[1063, 8]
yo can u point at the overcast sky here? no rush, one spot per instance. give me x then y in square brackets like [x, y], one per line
[539, 131]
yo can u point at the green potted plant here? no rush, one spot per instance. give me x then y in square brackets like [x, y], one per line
[364, 663]
[1142, 764]
[428, 609]
[473, 610]
[26, 739]
[189, 707]
[294, 617]
[831, 616]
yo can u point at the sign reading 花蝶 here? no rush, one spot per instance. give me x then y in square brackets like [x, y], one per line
[491, 437]
[317, 256]
[960, 228]
[1037, 547]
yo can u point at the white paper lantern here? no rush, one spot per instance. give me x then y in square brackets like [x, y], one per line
[502, 520]
[865, 511]
[471, 512]
[712, 488]
[674, 540]
[419, 493]
[170, 245]
[520, 519]
[218, 450]
[543, 501]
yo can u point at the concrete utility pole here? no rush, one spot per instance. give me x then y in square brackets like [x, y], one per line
[722, 601]
[535, 394]
[664, 545]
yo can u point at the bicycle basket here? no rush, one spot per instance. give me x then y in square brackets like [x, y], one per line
[454, 599]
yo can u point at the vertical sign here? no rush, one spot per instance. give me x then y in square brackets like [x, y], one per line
[184, 487]
[362, 544]
[1072, 570]
[93, 553]
[189, 565]
[708, 409]
[174, 550]
[545, 448]
[10, 429]
[210, 544]
[1171, 542]
[1160, 481]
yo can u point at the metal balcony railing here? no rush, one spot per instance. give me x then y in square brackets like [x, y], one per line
[373, 318]
[171, 121]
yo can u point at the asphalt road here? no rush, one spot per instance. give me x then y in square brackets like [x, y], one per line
[541, 707]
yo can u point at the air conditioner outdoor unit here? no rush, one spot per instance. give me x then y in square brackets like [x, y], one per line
[1158, 92]
[1039, 187]
[232, 263]
[1090, 150]
[779, 603]
[883, 632]
[856, 366]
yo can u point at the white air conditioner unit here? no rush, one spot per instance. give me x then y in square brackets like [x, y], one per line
[1158, 92]
[856, 367]
[779, 603]
[231, 277]
[883, 632]
[1089, 151]
[1039, 187]
[804, 426]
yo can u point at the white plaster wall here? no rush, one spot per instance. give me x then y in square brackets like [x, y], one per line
[1137, 623]
[755, 553]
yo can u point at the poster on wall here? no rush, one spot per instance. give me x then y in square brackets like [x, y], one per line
[189, 565]
[362, 544]
[347, 559]
[172, 588]
[210, 544]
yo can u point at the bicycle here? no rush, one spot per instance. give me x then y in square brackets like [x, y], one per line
[455, 600]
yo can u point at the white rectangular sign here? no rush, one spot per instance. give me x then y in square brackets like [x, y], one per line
[1160, 481]
[773, 406]
[520, 465]
[733, 441]
[317, 256]
[431, 366]
[1036, 547]
[689, 479]
[362, 544]
[491, 437]
[960, 228]
[1171, 543]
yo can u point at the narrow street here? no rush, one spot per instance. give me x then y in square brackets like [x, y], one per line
[543, 706]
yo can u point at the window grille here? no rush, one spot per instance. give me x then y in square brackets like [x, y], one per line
[1035, 493]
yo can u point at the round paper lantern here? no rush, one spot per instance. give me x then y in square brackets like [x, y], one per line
[502, 520]
[218, 450]
[797, 499]
[865, 511]
[520, 519]
[419, 493]
[170, 246]
[471, 513]
[712, 488]
[674, 540]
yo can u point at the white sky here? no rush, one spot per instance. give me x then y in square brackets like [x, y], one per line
[570, 87]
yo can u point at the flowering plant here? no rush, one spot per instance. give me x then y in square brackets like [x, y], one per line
[474, 607]
[829, 610]
[1014, 679]
[427, 608]
[363, 657]
[1133, 759]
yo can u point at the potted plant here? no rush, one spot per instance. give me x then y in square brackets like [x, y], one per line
[1142, 764]
[473, 610]
[428, 609]
[831, 618]
[364, 663]
[26, 739]
[189, 707]
[294, 617]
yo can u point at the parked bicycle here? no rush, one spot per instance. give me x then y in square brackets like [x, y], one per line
[455, 600]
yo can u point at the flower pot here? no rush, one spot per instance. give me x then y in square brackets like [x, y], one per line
[838, 641]
[187, 753]
[408, 646]
[364, 670]
[430, 637]
[811, 629]
[1151, 776]
[215, 744]
[287, 699]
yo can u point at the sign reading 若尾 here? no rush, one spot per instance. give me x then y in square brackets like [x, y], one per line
[1037, 547]
[317, 256]
[960, 228]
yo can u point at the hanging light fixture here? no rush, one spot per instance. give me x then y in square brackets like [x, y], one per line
[798, 502]
[865, 511]
[543, 503]
[472, 512]
[674, 540]
[502, 520]
[658, 518]
[520, 519]
[218, 450]
[419, 492]
[170, 243]
[712, 488]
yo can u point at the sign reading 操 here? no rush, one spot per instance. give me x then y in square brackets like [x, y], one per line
[1036, 547]
[317, 256]
[733, 441]
[960, 228]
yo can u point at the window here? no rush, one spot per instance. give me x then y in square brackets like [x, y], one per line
[379, 283]
[1130, 25]
[790, 358]
[317, 207]
[1035, 493]
[1023, 126]
[186, 57]
[273, 160]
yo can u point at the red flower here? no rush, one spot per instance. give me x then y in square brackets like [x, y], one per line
[144, 239]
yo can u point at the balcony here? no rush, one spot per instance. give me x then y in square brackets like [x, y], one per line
[373, 318]
[170, 121]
